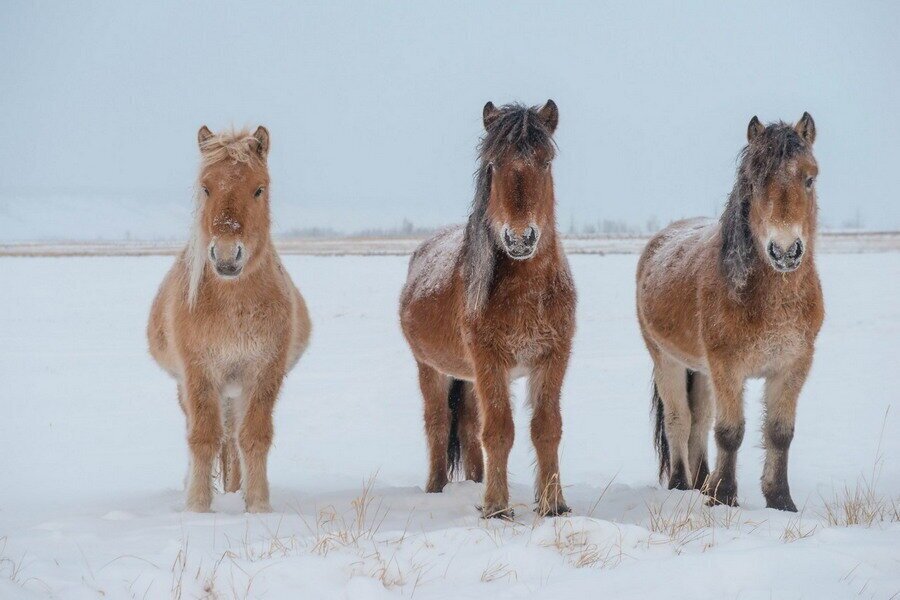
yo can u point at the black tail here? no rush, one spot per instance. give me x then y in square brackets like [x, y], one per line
[659, 432]
[454, 401]
[660, 441]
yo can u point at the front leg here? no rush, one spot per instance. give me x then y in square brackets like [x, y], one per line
[781, 393]
[200, 402]
[728, 388]
[545, 385]
[497, 432]
[255, 438]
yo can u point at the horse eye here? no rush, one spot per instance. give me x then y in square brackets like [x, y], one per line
[547, 166]
[809, 182]
[259, 192]
[205, 191]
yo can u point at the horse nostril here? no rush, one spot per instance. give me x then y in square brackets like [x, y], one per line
[775, 252]
[240, 252]
[507, 239]
[212, 252]
[796, 250]
[530, 236]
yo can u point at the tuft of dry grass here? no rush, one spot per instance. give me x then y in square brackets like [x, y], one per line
[576, 547]
[496, 571]
[863, 504]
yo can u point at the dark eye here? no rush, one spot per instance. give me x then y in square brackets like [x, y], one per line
[205, 191]
[809, 182]
[259, 191]
[547, 166]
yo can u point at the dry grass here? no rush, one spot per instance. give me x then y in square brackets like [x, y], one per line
[863, 504]
[496, 571]
[576, 547]
[691, 519]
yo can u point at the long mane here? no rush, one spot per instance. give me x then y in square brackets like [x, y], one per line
[759, 162]
[237, 146]
[517, 130]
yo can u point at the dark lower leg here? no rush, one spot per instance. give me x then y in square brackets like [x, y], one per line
[435, 389]
[470, 435]
[778, 438]
[723, 483]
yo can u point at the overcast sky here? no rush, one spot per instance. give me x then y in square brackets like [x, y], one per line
[375, 107]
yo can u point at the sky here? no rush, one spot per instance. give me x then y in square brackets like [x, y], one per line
[374, 108]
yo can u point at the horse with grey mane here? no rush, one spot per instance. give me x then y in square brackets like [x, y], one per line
[722, 301]
[492, 301]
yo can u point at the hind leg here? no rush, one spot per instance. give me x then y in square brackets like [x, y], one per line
[728, 388]
[435, 388]
[231, 459]
[700, 401]
[469, 435]
[671, 384]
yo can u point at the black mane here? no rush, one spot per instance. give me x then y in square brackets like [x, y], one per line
[516, 129]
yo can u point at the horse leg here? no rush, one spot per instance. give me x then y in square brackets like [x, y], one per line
[729, 432]
[544, 388]
[781, 392]
[470, 435]
[435, 389]
[700, 401]
[671, 384]
[231, 460]
[201, 404]
[497, 433]
[255, 438]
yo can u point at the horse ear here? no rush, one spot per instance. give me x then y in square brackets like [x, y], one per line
[754, 128]
[203, 135]
[489, 114]
[262, 137]
[806, 127]
[549, 114]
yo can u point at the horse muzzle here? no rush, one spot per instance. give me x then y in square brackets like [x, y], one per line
[228, 258]
[787, 259]
[521, 246]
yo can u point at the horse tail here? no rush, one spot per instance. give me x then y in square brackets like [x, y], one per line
[230, 465]
[454, 402]
[660, 441]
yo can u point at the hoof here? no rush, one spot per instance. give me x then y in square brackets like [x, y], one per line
[781, 503]
[553, 511]
[259, 508]
[436, 485]
[496, 512]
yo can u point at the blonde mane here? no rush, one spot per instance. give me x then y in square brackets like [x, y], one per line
[238, 146]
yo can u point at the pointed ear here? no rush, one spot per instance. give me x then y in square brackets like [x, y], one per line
[549, 114]
[489, 114]
[806, 127]
[262, 137]
[203, 135]
[754, 128]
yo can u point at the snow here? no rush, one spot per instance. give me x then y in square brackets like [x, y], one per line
[94, 456]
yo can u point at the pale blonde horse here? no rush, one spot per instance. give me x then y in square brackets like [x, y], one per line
[228, 322]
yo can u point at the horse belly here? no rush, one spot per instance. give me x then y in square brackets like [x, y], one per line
[433, 330]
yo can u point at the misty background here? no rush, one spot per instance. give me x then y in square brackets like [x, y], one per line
[375, 108]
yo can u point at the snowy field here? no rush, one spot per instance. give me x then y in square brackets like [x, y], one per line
[93, 456]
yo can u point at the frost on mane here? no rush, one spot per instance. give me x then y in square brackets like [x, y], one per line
[431, 266]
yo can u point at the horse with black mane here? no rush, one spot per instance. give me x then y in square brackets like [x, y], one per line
[723, 301]
[492, 301]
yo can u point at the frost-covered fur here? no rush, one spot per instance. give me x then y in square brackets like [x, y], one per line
[472, 312]
[715, 309]
[229, 342]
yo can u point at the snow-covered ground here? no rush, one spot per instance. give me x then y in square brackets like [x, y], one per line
[92, 456]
